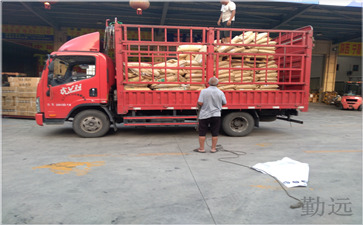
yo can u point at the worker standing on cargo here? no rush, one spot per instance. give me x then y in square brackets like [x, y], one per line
[210, 103]
[226, 19]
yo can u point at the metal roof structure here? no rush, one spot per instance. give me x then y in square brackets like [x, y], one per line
[335, 23]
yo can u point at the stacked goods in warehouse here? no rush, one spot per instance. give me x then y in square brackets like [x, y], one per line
[329, 97]
[19, 98]
[314, 97]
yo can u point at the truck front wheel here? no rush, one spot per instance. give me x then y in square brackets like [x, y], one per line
[91, 123]
[238, 124]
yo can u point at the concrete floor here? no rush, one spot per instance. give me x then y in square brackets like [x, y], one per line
[144, 176]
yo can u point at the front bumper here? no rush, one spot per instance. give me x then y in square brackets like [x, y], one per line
[39, 118]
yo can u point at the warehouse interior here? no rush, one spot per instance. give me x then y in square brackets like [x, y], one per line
[31, 30]
[146, 167]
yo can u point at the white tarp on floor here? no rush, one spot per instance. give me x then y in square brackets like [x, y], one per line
[289, 172]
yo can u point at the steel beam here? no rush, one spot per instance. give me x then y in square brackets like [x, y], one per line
[292, 16]
[38, 14]
[165, 11]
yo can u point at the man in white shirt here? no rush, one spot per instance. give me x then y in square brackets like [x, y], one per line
[228, 12]
[210, 102]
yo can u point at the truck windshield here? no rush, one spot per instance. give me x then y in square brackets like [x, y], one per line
[66, 69]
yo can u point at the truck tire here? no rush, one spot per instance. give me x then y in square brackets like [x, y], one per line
[360, 108]
[91, 123]
[238, 124]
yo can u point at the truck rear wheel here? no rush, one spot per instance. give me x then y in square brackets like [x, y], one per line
[91, 123]
[238, 124]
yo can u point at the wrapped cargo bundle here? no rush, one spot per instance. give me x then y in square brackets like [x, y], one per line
[159, 87]
[232, 72]
[264, 64]
[191, 52]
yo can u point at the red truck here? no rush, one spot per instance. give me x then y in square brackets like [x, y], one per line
[152, 75]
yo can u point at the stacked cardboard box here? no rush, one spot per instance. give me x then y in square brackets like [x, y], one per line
[19, 98]
[314, 97]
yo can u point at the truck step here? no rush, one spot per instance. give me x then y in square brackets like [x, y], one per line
[159, 124]
[158, 117]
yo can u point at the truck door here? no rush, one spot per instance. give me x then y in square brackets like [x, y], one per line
[72, 80]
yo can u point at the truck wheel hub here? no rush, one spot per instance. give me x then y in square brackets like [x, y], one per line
[91, 124]
[238, 124]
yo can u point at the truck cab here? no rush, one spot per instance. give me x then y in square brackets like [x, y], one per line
[77, 79]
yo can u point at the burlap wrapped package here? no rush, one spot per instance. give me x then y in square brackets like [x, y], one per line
[131, 75]
[170, 67]
[195, 87]
[258, 57]
[266, 51]
[189, 63]
[180, 88]
[246, 86]
[237, 50]
[224, 48]
[266, 71]
[133, 88]
[227, 87]
[268, 87]
[268, 79]
[193, 71]
[248, 37]
[267, 66]
[137, 79]
[199, 57]
[197, 80]
[244, 38]
[223, 72]
[171, 79]
[244, 80]
[189, 48]
[221, 64]
[258, 75]
[193, 75]
[156, 86]
[244, 73]
[146, 69]
[260, 37]
[224, 75]
[226, 79]
[237, 39]
[263, 41]
[266, 48]
[250, 50]
[263, 64]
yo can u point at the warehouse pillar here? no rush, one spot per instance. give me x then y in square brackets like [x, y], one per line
[330, 71]
[330, 53]
[60, 37]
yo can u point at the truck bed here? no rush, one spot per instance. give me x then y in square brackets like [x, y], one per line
[143, 50]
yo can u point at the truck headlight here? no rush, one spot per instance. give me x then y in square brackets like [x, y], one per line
[37, 104]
